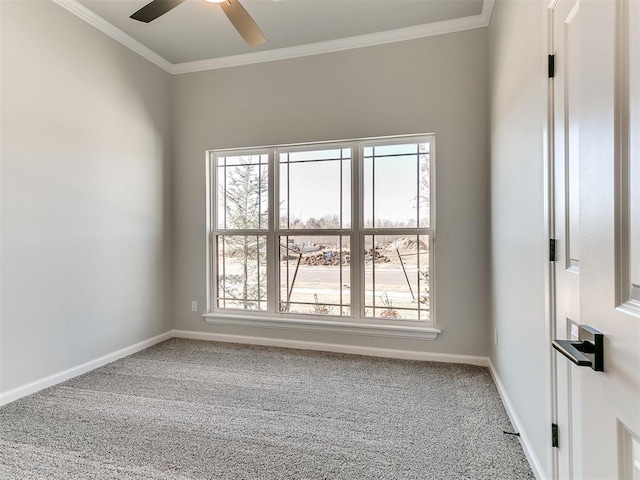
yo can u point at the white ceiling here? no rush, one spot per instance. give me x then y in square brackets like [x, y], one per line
[197, 32]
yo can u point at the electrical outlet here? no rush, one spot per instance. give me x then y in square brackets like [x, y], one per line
[194, 306]
[495, 336]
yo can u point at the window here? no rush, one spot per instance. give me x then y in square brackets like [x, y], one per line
[338, 231]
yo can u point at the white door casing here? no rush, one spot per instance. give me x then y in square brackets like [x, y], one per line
[565, 41]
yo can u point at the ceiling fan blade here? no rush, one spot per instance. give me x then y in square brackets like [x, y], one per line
[154, 9]
[243, 22]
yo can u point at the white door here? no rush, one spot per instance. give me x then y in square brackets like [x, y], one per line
[604, 407]
[610, 232]
[565, 41]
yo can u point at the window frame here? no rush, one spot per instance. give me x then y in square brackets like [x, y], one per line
[356, 322]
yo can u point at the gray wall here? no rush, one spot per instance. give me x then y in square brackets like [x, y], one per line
[85, 226]
[437, 84]
[519, 246]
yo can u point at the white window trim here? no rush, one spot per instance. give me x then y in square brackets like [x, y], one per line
[352, 325]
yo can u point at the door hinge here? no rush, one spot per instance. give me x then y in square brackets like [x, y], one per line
[552, 66]
[552, 249]
[554, 435]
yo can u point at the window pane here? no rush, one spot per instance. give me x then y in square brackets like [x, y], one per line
[315, 275]
[367, 194]
[346, 194]
[396, 186]
[242, 192]
[241, 272]
[396, 277]
[424, 195]
[315, 189]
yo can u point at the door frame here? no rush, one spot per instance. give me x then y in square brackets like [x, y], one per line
[549, 164]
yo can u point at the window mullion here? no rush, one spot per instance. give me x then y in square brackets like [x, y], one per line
[356, 263]
[273, 250]
[314, 231]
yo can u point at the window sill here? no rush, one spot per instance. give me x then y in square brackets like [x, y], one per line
[413, 332]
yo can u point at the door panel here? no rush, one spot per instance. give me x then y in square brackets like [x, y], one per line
[570, 82]
[629, 454]
[629, 19]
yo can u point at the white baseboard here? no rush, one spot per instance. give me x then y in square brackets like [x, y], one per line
[33, 387]
[333, 347]
[534, 461]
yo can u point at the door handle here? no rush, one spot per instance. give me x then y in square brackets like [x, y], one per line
[587, 351]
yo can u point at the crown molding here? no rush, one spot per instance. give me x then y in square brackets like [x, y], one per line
[360, 41]
[369, 40]
[107, 28]
[487, 10]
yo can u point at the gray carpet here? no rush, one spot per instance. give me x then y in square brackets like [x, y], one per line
[188, 409]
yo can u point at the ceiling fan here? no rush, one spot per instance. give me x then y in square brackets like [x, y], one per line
[236, 13]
